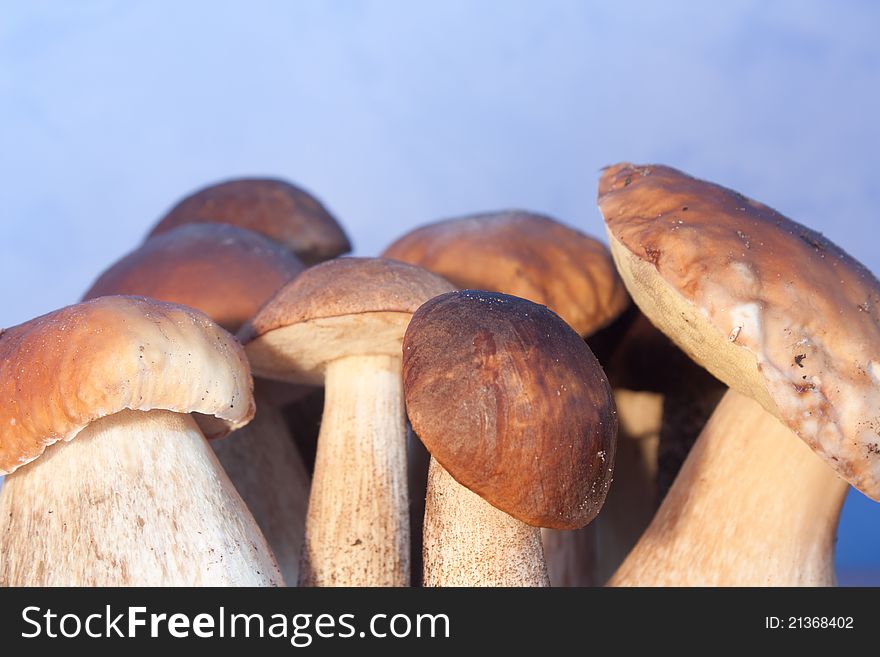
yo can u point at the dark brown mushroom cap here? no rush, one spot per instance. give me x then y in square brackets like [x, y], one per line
[524, 254]
[770, 307]
[342, 307]
[274, 208]
[224, 271]
[513, 404]
[61, 371]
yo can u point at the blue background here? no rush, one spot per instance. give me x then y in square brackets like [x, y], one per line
[396, 113]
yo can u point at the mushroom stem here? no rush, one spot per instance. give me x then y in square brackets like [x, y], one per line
[138, 499]
[263, 462]
[752, 506]
[357, 526]
[468, 542]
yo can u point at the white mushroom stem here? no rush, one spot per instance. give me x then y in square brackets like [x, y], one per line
[468, 542]
[263, 462]
[752, 506]
[136, 499]
[357, 527]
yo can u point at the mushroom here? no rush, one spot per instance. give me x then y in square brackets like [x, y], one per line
[788, 321]
[115, 394]
[522, 254]
[540, 259]
[520, 422]
[228, 273]
[274, 208]
[342, 323]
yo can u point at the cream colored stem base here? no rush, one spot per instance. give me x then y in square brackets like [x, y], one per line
[357, 527]
[136, 499]
[263, 462]
[752, 506]
[468, 542]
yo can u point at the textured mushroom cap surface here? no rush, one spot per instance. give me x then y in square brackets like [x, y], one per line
[61, 371]
[274, 208]
[513, 404]
[346, 306]
[770, 307]
[224, 271]
[525, 255]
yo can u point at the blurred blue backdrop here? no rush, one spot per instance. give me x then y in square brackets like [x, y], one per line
[396, 113]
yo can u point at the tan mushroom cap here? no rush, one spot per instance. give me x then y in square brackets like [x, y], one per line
[513, 404]
[770, 307]
[522, 254]
[343, 307]
[224, 271]
[61, 371]
[274, 208]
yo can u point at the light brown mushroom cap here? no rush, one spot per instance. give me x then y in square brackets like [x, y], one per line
[343, 307]
[525, 255]
[224, 271]
[61, 371]
[274, 208]
[770, 307]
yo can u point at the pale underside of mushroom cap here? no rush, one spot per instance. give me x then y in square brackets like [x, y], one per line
[343, 307]
[768, 306]
[61, 371]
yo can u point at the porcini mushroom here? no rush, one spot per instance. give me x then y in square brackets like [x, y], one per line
[274, 208]
[523, 254]
[113, 482]
[520, 423]
[228, 273]
[535, 257]
[788, 321]
[341, 323]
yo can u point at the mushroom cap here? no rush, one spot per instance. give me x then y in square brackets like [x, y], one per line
[768, 306]
[524, 254]
[65, 369]
[342, 307]
[274, 208]
[224, 271]
[513, 404]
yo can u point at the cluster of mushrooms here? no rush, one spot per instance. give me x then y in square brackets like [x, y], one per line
[497, 400]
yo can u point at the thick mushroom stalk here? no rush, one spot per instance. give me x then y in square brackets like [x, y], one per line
[468, 542]
[129, 492]
[357, 523]
[752, 506]
[712, 269]
[137, 499]
[519, 419]
[341, 323]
